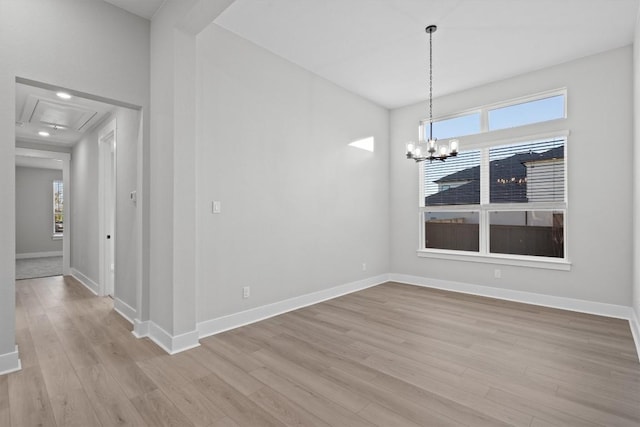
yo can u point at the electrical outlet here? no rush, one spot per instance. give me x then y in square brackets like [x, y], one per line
[497, 273]
[216, 207]
[246, 292]
[364, 266]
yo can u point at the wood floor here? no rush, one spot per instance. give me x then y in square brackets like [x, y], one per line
[393, 355]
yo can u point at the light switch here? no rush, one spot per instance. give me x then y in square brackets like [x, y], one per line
[216, 207]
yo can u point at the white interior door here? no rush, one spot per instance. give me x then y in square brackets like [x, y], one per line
[107, 208]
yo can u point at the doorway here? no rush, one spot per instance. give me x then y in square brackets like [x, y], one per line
[29, 236]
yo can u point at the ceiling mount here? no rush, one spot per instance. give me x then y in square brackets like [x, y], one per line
[431, 29]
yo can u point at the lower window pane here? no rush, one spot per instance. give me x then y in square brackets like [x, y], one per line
[452, 230]
[537, 233]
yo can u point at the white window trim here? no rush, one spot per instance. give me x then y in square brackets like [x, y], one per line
[484, 113]
[54, 235]
[503, 259]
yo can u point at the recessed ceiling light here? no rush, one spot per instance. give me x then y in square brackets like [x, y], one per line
[63, 95]
[43, 133]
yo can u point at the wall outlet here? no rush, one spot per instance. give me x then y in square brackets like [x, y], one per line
[364, 266]
[497, 273]
[246, 292]
[216, 207]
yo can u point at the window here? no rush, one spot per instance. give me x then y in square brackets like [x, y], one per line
[58, 209]
[454, 182]
[500, 200]
[453, 230]
[466, 124]
[524, 113]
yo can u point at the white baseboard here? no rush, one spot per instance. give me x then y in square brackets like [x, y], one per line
[38, 254]
[563, 303]
[88, 283]
[172, 344]
[224, 323]
[571, 304]
[124, 310]
[10, 362]
[169, 343]
[635, 331]
[141, 328]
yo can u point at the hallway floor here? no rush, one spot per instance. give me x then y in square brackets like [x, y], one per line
[32, 268]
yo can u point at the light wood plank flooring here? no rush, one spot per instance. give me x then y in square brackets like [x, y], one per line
[393, 355]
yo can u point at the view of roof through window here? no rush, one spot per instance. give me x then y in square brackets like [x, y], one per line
[457, 181]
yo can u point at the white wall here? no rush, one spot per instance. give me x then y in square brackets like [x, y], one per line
[88, 46]
[600, 189]
[128, 132]
[85, 226]
[163, 52]
[84, 209]
[301, 210]
[172, 304]
[34, 210]
[636, 174]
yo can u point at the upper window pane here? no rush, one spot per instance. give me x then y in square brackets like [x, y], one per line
[453, 182]
[457, 126]
[527, 172]
[526, 113]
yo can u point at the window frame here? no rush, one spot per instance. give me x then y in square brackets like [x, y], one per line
[484, 141]
[56, 235]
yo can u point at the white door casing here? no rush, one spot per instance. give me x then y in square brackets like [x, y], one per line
[107, 206]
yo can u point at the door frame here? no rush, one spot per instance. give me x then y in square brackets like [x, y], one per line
[65, 158]
[107, 137]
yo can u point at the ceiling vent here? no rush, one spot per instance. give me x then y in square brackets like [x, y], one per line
[56, 114]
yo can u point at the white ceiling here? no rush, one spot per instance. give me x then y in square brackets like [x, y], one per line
[39, 109]
[143, 8]
[379, 49]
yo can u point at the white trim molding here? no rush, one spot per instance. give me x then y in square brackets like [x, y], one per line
[10, 362]
[172, 344]
[140, 328]
[85, 281]
[235, 320]
[124, 310]
[635, 331]
[30, 255]
[563, 303]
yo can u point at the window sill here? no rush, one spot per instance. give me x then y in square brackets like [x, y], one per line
[56, 237]
[520, 261]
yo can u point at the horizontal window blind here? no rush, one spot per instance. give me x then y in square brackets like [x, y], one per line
[455, 181]
[527, 172]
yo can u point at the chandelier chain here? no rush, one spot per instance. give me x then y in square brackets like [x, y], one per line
[431, 85]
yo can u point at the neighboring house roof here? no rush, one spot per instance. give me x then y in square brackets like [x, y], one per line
[508, 180]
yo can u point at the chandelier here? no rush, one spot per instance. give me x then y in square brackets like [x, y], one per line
[431, 150]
